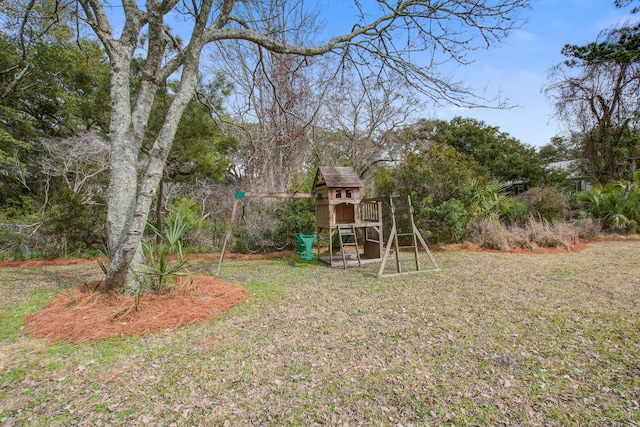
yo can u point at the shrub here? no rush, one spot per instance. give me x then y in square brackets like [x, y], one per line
[492, 234]
[615, 205]
[270, 224]
[74, 222]
[519, 213]
[588, 228]
[161, 271]
[519, 236]
[546, 204]
[454, 216]
[490, 199]
[433, 178]
[552, 235]
[19, 240]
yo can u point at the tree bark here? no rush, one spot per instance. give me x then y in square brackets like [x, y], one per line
[631, 180]
[123, 174]
[159, 211]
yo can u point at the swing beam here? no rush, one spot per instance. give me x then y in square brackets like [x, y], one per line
[253, 195]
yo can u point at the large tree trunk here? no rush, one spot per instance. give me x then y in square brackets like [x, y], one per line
[123, 176]
[131, 193]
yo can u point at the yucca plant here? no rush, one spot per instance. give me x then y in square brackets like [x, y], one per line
[160, 269]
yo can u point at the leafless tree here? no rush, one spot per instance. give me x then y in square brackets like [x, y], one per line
[359, 121]
[600, 100]
[277, 98]
[77, 161]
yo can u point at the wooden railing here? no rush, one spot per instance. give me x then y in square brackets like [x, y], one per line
[370, 211]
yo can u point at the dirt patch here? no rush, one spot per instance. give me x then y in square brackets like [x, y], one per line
[85, 316]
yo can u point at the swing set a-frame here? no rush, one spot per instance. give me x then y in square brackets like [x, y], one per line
[352, 224]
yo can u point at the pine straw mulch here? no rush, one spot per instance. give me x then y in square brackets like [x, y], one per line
[86, 316]
[468, 247]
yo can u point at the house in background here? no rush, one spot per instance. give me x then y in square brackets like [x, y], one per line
[573, 174]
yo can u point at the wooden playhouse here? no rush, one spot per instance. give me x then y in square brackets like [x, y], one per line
[350, 222]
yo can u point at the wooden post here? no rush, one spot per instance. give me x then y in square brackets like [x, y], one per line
[393, 241]
[387, 250]
[228, 235]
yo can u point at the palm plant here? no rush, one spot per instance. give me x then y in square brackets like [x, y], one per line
[617, 205]
[590, 201]
[490, 199]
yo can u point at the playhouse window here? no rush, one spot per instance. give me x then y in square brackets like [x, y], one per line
[348, 194]
[338, 194]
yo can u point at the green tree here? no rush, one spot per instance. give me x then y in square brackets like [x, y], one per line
[52, 87]
[557, 150]
[500, 155]
[436, 177]
[559, 159]
[199, 150]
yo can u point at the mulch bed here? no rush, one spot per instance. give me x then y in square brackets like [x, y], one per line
[474, 248]
[86, 316]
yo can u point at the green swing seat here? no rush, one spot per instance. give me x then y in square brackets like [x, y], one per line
[305, 244]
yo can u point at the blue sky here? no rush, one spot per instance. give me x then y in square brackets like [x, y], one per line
[518, 68]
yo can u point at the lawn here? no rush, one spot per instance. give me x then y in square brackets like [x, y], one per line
[491, 339]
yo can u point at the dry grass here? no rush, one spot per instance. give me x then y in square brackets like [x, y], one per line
[491, 234]
[492, 339]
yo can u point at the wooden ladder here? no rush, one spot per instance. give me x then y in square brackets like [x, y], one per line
[410, 234]
[347, 231]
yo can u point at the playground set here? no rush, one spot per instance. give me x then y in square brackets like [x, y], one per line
[353, 226]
